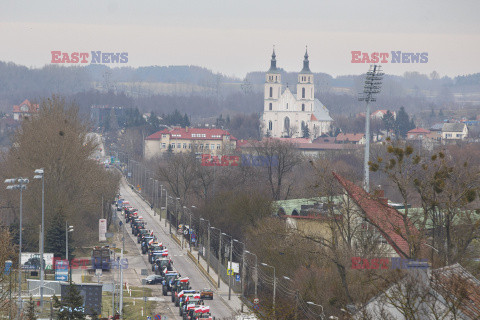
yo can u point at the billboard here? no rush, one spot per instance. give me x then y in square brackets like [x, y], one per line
[31, 260]
[102, 229]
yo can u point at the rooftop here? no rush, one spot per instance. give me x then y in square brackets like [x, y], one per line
[192, 134]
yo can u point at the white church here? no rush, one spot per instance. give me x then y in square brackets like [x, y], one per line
[287, 114]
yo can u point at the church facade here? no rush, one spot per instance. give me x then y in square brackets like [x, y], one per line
[288, 114]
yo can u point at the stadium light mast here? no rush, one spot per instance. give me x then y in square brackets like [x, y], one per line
[373, 83]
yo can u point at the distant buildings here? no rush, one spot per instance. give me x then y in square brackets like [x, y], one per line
[293, 115]
[379, 114]
[350, 138]
[176, 140]
[25, 110]
[454, 132]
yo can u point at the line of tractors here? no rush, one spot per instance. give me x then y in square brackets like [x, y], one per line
[190, 302]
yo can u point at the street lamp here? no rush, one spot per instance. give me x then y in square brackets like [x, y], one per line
[322, 315]
[229, 273]
[67, 230]
[256, 270]
[242, 279]
[20, 184]
[219, 254]
[39, 174]
[208, 244]
[296, 296]
[274, 284]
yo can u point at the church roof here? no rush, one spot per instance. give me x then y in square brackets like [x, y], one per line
[306, 67]
[320, 111]
[273, 64]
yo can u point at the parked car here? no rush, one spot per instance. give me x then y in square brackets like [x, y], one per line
[206, 294]
[154, 279]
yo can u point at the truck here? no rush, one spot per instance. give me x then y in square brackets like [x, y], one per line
[180, 284]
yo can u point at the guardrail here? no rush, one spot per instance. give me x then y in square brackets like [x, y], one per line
[202, 269]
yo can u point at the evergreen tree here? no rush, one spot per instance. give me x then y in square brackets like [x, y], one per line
[30, 310]
[388, 121]
[55, 237]
[71, 306]
[186, 121]
[305, 131]
[403, 123]
[153, 122]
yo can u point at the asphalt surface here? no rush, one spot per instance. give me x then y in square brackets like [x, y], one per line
[218, 306]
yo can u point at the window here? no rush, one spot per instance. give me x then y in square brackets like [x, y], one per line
[164, 135]
[164, 145]
[459, 135]
[218, 147]
[179, 145]
[303, 93]
[212, 146]
[286, 125]
[184, 146]
[206, 146]
[271, 92]
[287, 105]
[201, 146]
[303, 106]
[448, 135]
[270, 106]
[270, 125]
[189, 146]
[173, 145]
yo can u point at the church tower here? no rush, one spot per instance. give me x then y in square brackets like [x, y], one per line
[305, 87]
[273, 85]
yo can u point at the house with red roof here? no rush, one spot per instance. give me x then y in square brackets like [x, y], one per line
[399, 233]
[417, 134]
[351, 138]
[24, 110]
[176, 140]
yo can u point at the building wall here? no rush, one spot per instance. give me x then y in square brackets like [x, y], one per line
[154, 148]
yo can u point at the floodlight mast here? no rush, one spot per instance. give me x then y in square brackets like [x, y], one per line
[373, 84]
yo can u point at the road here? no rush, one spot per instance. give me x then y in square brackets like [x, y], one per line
[219, 306]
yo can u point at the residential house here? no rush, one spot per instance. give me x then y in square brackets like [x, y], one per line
[176, 140]
[351, 138]
[382, 217]
[311, 216]
[446, 293]
[454, 132]
[417, 134]
[379, 114]
[24, 110]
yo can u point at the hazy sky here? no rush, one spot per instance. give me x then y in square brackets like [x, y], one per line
[234, 37]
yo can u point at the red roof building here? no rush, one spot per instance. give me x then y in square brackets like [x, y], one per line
[417, 134]
[211, 141]
[352, 138]
[24, 110]
[392, 225]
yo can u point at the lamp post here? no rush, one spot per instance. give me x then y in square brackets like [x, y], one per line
[256, 271]
[208, 245]
[161, 207]
[296, 297]
[242, 278]
[229, 273]
[19, 184]
[274, 284]
[322, 315]
[177, 202]
[219, 254]
[67, 230]
[39, 174]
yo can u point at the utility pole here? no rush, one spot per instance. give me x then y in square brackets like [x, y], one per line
[231, 270]
[373, 83]
[121, 271]
[208, 248]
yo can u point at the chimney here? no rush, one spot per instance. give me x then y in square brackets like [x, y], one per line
[186, 129]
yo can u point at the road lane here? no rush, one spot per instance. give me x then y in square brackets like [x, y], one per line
[219, 308]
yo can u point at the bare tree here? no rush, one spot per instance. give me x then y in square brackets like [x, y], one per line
[279, 158]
